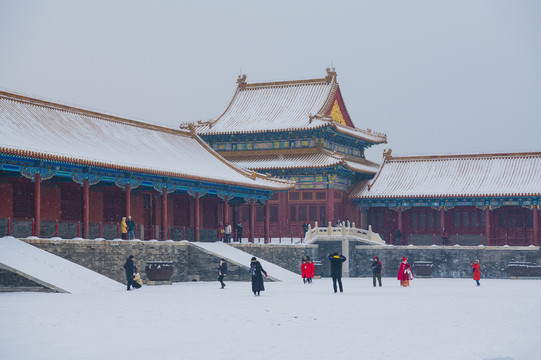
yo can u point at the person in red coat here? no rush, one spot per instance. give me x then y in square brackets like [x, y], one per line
[404, 273]
[310, 269]
[304, 268]
[476, 269]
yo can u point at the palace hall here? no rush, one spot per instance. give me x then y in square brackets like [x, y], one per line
[281, 155]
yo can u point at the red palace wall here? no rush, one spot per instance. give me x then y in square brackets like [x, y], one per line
[50, 202]
[6, 200]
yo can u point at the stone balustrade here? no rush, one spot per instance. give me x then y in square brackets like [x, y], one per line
[363, 235]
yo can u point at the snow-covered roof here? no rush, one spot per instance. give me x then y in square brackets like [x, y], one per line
[286, 106]
[47, 130]
[301, 161]
[471, 175]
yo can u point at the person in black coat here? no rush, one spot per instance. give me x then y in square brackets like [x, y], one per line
[376, 270]
[256, 271]
[239, 231]
[131, 269]
[222, 271]
[131, 228]
[336, 270]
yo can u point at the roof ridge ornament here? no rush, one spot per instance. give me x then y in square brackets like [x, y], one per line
[331, 73]
[319, 117]
[191, 127]
[241, 81]
[387, 154]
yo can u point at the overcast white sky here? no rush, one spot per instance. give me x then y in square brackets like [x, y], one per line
[435, 76]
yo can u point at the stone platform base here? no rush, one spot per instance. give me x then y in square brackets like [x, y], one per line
[149, 282]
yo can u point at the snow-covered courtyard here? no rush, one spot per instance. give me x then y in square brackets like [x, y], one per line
[432, 319]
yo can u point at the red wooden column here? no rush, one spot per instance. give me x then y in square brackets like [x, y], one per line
[226, 211]
[128, 200]
[164, 214]
[86, 209]
[442, 218]
[252, 221]
[399, 220]
[487, 225]
[535, 226]
[267, 222]
[283, 217]
[196, 218]
[330, 207]
[37, 205]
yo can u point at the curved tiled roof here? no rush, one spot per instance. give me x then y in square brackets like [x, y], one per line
[282, 106]
[301, 161]
[41, 129]
[470, 175]
[287, 161]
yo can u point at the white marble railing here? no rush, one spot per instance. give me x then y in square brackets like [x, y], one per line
[341, 231]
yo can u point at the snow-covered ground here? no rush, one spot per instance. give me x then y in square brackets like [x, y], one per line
[432, 319]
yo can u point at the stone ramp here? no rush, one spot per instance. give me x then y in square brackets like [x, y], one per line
[233, 255]
[51, 271]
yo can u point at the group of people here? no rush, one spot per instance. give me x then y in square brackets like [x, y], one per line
[405, 274]
[225, 232]
[127, 228]
[307, 270]
[256, 273]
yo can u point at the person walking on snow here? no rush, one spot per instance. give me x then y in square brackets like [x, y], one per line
[222, 272]
[131, 269]
[310, 269]
[304, 267]
[404, 273]
[336, 270]
[476, 270]
[376, 271]
[256, 271]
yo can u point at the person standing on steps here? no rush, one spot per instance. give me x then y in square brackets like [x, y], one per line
[227, 232]
[256, 271]
[336, 270]
[131, 228]
[222, 272]
[444, 237]
[239, 231]
[123, 228]
[376, 271]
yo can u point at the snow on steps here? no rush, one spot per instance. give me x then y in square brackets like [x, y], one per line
[242, 258]
[52, 271]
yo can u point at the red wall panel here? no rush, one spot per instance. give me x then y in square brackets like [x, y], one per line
[6, 200]
[50, 202]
